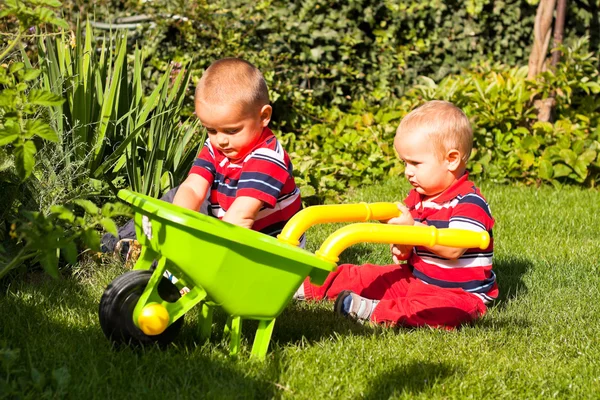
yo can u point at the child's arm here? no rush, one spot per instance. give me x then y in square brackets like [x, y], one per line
[399, 251]
[243, 211]
[192, 192]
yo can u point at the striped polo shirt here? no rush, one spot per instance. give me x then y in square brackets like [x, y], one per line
[265, 174]
[460, 206]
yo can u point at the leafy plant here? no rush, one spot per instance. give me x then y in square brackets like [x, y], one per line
[47, 237]
[123, 136]
[19, 102]
[18, 108]
[30, 13]
[510, 145]
[354, 148]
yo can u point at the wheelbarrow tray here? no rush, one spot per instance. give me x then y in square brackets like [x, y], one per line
[247, 273]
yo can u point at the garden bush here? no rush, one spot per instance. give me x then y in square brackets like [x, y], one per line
[332, 53]
[510, 145]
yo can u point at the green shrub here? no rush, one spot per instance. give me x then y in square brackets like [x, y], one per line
[510, 145]
[331, 52]
[347, 149]
[124, 137]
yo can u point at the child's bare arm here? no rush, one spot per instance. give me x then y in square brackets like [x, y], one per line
[243, 211]
[451, 253]
[192, 192]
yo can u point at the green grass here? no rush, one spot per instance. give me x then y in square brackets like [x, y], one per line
[538, 341]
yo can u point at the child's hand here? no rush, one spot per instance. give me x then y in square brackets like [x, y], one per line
[404, 219]
[400, 252]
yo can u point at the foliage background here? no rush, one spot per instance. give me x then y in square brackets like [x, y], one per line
[341, 76]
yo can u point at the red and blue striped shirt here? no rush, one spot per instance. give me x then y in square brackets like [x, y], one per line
[265, 174]
[460, 206]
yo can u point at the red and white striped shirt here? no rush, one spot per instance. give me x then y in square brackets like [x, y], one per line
[265, 174]
[460, 206]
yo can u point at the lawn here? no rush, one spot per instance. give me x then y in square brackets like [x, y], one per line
[538, 341]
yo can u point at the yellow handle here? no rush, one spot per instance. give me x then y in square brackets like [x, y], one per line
[310, 216]
[428, 236]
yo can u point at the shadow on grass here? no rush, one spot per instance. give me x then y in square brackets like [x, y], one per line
[315, 321]
[410, 379]
[55, 326]
[510, 271]
[299, 323]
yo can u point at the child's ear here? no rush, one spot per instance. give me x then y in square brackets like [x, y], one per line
[265, 115]
[454, 159]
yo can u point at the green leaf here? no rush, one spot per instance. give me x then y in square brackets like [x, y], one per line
[16, 67]
[547, 127]
[49, 262]
[7, 136]
[476, 169]
[587, 156]
[25, 159]
[561, 170]
[91, 239]
[110, 210]
[44, 98]
[60, 22]
[581, 169]
[70, 253]
[527, 160]
[307, 191]
[110, 226]
[568, 156]
[594, 86]
[7, 98]
[546, 170]
[31, 74]
[578, 146]
[88, 206]
[42, 129]
[530, 143]
[63, 213]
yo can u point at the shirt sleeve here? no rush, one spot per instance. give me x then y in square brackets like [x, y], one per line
[472, 213]
[204, 164]
[263, 176]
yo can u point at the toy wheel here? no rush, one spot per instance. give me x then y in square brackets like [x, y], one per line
[117, 305]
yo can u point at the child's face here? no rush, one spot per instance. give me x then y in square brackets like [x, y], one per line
[428, 172]
[233, 129]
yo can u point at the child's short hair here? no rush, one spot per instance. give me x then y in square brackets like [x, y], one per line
[233, 80]
[447, 126]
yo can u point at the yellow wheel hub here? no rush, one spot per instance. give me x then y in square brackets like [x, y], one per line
[153, 319]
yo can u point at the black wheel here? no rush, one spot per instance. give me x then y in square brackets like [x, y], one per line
[119, 300]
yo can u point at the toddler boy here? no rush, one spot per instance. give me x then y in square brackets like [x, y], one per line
[242, 175]
[242, 170]
[438, 286]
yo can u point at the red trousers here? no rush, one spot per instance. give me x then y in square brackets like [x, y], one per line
[405, 299]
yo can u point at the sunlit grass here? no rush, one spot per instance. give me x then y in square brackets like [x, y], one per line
[539, 340]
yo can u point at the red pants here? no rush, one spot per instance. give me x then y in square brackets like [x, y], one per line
[405, 300]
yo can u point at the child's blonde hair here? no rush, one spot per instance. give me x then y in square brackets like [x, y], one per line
[233, 80]
[447, 126]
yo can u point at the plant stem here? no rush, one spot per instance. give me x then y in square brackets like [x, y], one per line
[19, 258]
[11, 45]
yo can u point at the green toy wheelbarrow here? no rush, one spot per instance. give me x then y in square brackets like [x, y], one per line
[248, 274]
